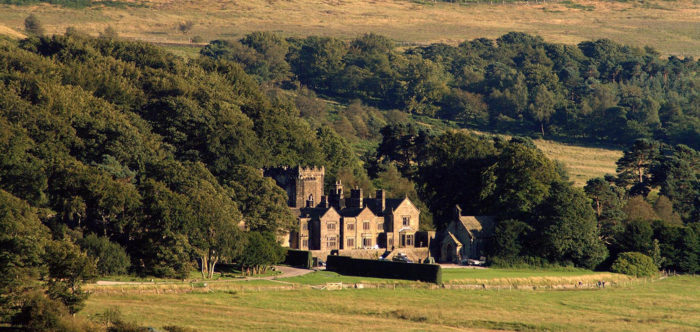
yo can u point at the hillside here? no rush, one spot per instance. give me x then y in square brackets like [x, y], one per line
[670, 26]
[582, 162]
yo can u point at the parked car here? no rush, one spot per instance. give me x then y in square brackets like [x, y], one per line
[473, 262]
[401, 257]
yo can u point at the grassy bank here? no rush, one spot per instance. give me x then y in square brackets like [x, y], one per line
[668, 304]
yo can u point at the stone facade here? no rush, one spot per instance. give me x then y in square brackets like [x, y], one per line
[304, 185]
[465, 237]
[327, 222]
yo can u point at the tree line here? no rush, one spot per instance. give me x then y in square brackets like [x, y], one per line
[542, 218]
[598, 91]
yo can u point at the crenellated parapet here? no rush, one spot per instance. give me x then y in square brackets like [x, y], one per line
[304, 184]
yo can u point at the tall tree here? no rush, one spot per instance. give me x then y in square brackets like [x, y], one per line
[542, 106]
[633, 168]
[566, 228]
[518, 181]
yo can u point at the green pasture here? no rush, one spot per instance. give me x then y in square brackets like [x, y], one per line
[671, 304]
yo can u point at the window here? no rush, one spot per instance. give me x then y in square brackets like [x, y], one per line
[365, 225]
[366, 242]
[351, 243]
[305, 226]
[351, 227]
[305, 243]
[409, 240]
[406, 220]
[331, 242]
[391, 242]
[331, 226]
[380, 226]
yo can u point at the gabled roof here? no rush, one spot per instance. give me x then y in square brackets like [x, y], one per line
[485, 224]
[315, 213]
[454, 238]
[394, 203]
[354, 212]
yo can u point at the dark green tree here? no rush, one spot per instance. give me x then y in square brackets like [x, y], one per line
[566, 228]
[633, 168]
[33, 26]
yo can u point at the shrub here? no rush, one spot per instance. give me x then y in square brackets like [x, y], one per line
[40, 313]
[635, 264]
[111, 258]
[33, 26]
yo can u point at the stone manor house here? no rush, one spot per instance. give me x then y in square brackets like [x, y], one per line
[328, 221]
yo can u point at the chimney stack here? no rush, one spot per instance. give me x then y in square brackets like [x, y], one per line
[356, 198]
[381, 198]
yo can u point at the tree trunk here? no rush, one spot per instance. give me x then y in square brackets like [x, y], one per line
[212, 264]
[542, 128]
[204, 266]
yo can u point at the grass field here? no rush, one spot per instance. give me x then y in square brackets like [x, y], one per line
[671, 304]
[672, 27]
[582, 162]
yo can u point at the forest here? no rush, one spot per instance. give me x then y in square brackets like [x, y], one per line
[121, 158]
[596, 91]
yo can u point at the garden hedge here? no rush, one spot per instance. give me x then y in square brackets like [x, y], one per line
[300, 258]
[384, 269]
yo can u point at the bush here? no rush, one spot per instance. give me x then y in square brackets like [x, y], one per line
[40, 313]
[111, 258]
[635, 264]
[384, 269]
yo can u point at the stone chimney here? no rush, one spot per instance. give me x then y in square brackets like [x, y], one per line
[335, 199]
[381, 199]
[355, 198]
[338, 189]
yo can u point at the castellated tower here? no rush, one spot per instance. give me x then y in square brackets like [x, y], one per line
[304, 185]
[309, 186]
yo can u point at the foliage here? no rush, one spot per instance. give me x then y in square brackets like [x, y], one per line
[261, 252]
[110, 257]
[39, 313]
[597, 90]
[68, 268]
[33, 26]
[635, 264]
[23, 239]
[566, 228]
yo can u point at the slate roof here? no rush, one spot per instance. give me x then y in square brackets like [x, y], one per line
[393, 203]
[351, 212]
[313, 213]
[485, 224]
